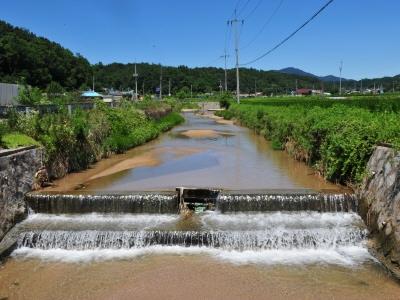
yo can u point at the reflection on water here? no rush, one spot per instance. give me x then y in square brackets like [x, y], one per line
[203, 153]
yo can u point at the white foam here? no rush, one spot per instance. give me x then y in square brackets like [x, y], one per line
[279, 219]
[348, 256]
[144, 220]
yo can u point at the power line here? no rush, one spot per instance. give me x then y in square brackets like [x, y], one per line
[290, 36]
[243, 8]
[213, 61]
[265, 24]
[254, 9]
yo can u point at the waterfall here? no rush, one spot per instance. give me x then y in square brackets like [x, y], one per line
[287, 202]
[71, 203]
[266, 228]
[229, 240]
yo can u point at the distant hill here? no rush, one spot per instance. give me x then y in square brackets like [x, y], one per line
[25, 57]
[295, 71]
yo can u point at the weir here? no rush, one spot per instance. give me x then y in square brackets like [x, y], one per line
[230, 240]
[145, 202]
[224, 220]
[192, 199]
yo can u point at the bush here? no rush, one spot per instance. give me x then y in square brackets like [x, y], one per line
[337, 140]
[31, 96]
[225, 100]
[77, 140]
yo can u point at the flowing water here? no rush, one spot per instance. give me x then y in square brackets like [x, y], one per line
[286, 234]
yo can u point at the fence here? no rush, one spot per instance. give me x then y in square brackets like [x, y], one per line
[8, 93]
[50, 108]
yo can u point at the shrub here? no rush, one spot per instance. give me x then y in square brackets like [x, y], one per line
[338, 140]
[77, 140]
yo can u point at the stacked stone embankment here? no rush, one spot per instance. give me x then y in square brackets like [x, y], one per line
[380, 194]
[17, 177]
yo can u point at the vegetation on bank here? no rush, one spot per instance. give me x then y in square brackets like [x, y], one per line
[74, 141]
[16, 140]
[337, 139]
[380, 103]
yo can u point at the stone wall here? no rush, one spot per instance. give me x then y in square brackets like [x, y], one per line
[17, 177]
[380, 205]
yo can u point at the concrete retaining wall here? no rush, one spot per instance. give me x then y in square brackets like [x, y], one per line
[17, 177]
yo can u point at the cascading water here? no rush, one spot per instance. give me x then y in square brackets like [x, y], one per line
[259, 228]
[287, 202]
[112, 203]
[228, 240]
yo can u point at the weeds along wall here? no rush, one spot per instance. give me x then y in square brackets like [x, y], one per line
[337, 139]
[74, 141]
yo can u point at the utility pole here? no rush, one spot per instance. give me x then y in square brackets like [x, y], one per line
[93, 83]
[220, 87]
[135, 75]
[234, 23]
[340, 77]
[161, 82]
[169, 87]
[225, 56]
[361, 87]
[296, 86]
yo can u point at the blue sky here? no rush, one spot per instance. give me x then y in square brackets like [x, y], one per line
[365, 34]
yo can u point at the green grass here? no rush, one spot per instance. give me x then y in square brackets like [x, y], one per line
[16, 140]
[379, 103]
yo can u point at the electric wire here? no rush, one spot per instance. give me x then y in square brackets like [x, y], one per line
[254, 9]
[291, 35]
[275, 11]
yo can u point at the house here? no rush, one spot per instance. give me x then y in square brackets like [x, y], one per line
[304, 92]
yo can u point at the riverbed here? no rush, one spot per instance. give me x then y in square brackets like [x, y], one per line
[203, 152]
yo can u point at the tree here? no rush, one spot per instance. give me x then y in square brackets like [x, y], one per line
[30, 96]
[183, 93]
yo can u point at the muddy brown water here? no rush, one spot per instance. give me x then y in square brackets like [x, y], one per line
[206, 153]
[203, 153]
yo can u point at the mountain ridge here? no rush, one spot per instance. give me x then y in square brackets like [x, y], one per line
[296, 71]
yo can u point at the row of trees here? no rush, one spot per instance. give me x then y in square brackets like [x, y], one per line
[199, 80]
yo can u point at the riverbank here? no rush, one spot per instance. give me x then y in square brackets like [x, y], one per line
[74, 141]
[337, 141]
[70, 143]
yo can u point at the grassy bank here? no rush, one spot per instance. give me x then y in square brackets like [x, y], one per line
[74, 141]
[336, 139]
[381, 103]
